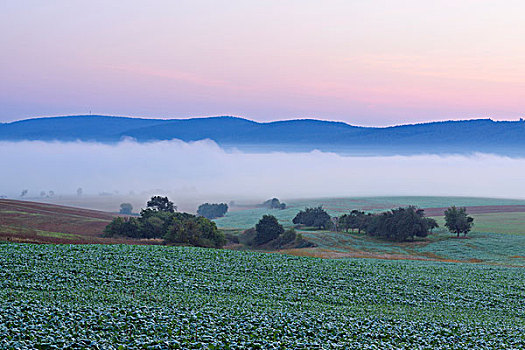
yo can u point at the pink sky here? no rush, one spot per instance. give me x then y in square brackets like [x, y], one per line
[363, 62]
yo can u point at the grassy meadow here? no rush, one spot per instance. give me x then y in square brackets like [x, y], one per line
[487, 248]
[246, 218]
[496, 239]
[508, 223]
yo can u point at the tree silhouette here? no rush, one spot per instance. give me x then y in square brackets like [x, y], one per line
[126, 208]
[159, 203]
[457, 221]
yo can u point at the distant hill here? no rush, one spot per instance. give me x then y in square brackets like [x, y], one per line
[480, 135]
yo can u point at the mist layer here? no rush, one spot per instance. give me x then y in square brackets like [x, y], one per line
[204, 171]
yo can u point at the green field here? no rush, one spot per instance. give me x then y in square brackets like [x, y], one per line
[496, 239]
[508, 223]
[154, 297]
[336, 206]
[437, 292]
[486, 248]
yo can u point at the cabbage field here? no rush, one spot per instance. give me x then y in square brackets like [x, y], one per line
[156, 297]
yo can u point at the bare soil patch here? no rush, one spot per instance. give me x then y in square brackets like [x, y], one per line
[332, 254]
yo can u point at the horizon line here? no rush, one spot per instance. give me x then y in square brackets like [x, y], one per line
[493, 119]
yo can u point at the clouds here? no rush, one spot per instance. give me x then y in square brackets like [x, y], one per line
[203, 171]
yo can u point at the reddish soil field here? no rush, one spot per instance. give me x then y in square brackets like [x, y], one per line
[480, 209]
[32, 222]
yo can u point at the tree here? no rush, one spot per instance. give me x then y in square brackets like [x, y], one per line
[212, 211]
[126, 208]
[268, 228]
[457, 221]
[159, 203]
[314, 217]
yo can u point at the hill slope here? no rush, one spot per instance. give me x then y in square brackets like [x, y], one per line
[482, 135]
[31, 222]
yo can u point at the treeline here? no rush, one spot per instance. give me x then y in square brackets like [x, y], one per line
[401, 224]
[160, 220]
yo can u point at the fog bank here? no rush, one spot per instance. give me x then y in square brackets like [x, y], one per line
[200, 171]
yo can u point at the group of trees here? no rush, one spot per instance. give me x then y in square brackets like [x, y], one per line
[399, 224]
[160, 220]
[313, 217]
[403, 224]
[356, 220]
[212, 211]
[48, 194]
[42, 193]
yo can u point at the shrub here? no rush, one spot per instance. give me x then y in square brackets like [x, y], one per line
[268, 229]
[248, 237]
[195, 231]
[288, 236]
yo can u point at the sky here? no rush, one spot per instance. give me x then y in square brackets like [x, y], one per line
[374, 62]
